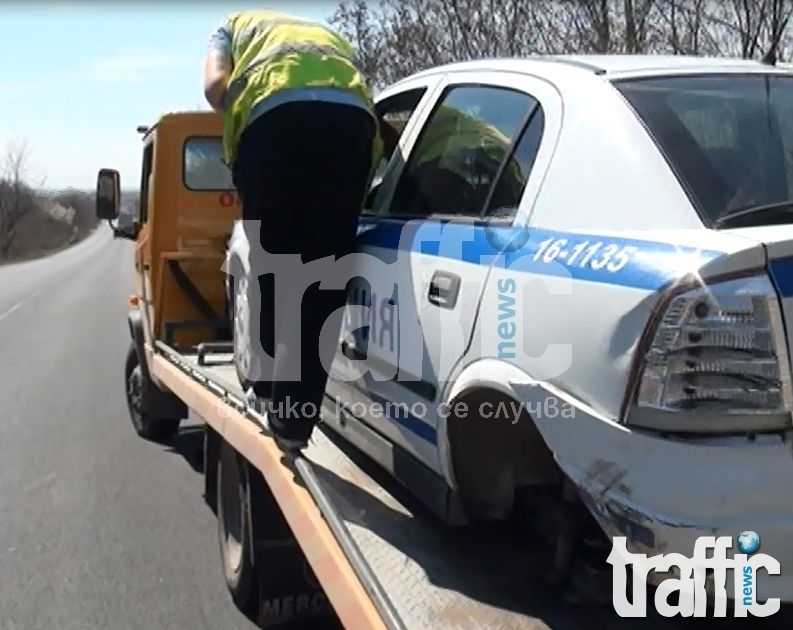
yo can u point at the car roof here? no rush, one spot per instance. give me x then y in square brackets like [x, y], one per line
[606, 66]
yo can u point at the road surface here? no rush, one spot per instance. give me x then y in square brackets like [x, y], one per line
[98, 528]
[101, 529]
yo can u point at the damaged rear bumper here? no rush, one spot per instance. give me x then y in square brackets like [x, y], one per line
[663, 494]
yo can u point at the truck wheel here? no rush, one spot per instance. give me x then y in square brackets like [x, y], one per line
[245, 361]
[146, 425]
[235, 531]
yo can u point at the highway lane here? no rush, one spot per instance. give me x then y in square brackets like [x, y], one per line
[98, 528]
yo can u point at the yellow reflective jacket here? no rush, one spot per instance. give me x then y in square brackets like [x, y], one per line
[274, 51]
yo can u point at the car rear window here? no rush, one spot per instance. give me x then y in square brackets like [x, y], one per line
[204, 168]
[728, 138]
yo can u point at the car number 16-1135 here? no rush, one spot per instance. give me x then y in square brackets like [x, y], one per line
[595, 255]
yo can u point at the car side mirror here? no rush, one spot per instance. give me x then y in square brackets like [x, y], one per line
[108, 194]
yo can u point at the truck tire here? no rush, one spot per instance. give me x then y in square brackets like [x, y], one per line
[146, 425]
[235, 530]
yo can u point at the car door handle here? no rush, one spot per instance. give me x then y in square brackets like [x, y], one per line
[444, 289]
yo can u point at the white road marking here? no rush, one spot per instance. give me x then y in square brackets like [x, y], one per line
[19, 304]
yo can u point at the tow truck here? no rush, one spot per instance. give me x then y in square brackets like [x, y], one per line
[322, 540]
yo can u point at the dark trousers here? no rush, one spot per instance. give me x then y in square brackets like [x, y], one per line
[302, 171]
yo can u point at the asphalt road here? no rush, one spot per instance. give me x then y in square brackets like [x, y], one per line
[98, 528]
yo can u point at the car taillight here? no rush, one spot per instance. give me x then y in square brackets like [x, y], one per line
[717, 361]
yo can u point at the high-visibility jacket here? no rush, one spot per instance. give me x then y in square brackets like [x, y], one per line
[274, 51]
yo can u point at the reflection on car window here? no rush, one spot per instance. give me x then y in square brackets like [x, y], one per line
[460, 151]
[728, 138]
[515, 175]
[204, 168]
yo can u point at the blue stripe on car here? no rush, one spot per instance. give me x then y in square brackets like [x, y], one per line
[625, 262]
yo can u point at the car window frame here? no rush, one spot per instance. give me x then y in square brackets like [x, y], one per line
[432, 83]
[382, 108]
[529, 119]
[543, 91]
[444, 92]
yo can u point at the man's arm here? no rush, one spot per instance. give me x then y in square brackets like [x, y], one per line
[217, 67]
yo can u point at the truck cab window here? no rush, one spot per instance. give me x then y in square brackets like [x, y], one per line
[204, 168]
[148, 160]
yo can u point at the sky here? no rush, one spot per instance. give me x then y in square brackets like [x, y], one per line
[78, 78]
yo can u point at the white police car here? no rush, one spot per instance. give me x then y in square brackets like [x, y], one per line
[577, 274]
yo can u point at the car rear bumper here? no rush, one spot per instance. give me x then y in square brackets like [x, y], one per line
[662, 495]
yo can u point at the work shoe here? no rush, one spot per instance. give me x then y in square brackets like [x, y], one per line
[254, 402]
[285, 444]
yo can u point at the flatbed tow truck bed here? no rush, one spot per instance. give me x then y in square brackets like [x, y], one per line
[383, 561]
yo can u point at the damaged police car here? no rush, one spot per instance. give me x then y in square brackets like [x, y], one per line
[602, 247]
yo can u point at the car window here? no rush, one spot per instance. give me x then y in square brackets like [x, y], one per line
[393, 114]
[459, 153]
[511, 183]
[729, 139]
[204, 168]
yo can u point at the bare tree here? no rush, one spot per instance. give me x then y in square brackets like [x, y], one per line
[398, 37]
[16, 198]
[82, 205]
[776, 28]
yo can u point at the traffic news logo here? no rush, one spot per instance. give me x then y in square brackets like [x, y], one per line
[690, 579]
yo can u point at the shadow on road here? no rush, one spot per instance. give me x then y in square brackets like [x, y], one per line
[189, 443]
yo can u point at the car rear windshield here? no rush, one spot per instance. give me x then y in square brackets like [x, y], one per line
[204, 168]
[729, 138]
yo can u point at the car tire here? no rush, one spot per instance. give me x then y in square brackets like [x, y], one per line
[246, 364]
[145, 423]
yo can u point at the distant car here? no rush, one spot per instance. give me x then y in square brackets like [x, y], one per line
[125, 224]
[603, 247]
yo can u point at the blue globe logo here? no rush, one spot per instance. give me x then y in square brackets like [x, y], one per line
[506, 238]
[748, 542]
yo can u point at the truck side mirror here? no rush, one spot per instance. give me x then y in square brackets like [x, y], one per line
[108, 194]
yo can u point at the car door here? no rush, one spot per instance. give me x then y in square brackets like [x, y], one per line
[400, 110]
[422, 303]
